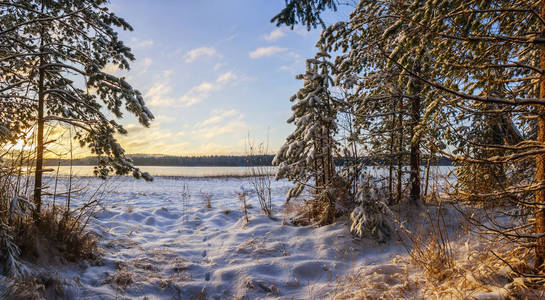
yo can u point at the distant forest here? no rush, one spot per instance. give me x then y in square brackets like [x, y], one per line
[211, 161]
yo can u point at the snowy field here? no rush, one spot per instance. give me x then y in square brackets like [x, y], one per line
[159, 241]
[157, 246]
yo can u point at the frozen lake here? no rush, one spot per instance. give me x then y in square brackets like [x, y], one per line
[172, 171]
[168, 171]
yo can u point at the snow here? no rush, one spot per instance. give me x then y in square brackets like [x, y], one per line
[154, 246]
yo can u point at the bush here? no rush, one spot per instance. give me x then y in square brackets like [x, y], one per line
[57, 234]
[368, 218]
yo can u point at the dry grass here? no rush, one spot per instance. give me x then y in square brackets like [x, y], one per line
[29, 240]
[41, 286]
[243, 204]
[322, 207]
[56, 235]
[461, 265]
[318, 210]
[207, 199]
[477, 272]
[390, 281]
[56, 239]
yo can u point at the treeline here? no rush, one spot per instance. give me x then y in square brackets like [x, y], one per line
[182, 161]
[217, 161]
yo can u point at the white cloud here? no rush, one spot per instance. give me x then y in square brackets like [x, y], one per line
[218, 66]
[167, 73]
[141, 66]
[138, 43]
[218, 116]
[286, 68]
[226, 77]
[301, 30]
[222, 122]
[266, 51]
[151, 140]
[204, 87]
[214, 149]
[111, 69]
[231, 127]
[158, 94]
[164, 119]
[144, 65]
[194, 54]
[274, 35]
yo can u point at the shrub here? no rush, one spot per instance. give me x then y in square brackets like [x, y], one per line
[369, 217]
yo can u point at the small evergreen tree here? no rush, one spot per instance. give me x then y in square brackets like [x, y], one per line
[307, 156]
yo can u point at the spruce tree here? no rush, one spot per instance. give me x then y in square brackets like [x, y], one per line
[307, 156]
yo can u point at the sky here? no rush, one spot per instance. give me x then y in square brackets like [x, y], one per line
[213, 72]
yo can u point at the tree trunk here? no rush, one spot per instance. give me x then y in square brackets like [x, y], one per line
[40, 138]
[428, 173]
[400, 152]
[540, 161]
[414, 197]
[391, 169]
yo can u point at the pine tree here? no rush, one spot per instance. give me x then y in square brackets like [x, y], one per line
[307, 156]
[52, 72]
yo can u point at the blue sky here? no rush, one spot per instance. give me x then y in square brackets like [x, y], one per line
[211, 71]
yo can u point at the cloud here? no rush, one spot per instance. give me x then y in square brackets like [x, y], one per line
[140, 67]
[226, 77]
[148, 140]
[287, 68]
[167, 73]
[194, 54]
[144, 65]
[221, 122]
[214, 149]
[204, 87]
[301, 30]
[209, 132]
[266, 52]
[218, 116]
[164, 119]
[158, 94]
[138, 43]
[111, 69]
[274, 35]
[134, 128]
[218, 66]
[223, 132]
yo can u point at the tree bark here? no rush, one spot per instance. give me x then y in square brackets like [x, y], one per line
[414, 197]
[400, 152]
[391, 169]
[540, 160]
[40, 138]
[428, 173]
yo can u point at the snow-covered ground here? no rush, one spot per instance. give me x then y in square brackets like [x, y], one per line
[160, 240]
[157, 246]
